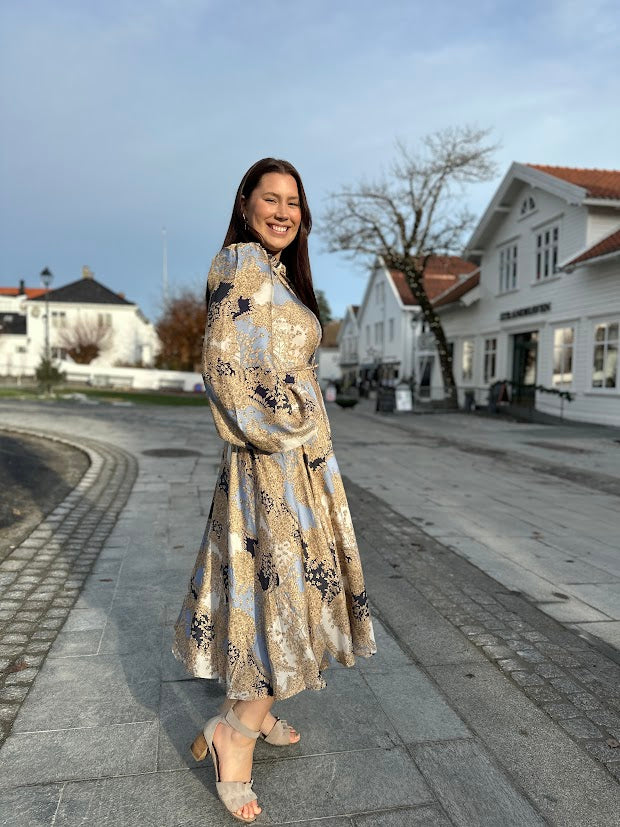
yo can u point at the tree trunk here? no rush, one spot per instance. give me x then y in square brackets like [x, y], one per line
[414, 273]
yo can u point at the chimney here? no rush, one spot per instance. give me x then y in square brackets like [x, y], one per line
[87, 273]
[121, 295]
[22, 288]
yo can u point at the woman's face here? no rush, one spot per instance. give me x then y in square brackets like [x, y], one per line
[273, 210]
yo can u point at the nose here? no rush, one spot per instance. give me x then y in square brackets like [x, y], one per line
[282, 212]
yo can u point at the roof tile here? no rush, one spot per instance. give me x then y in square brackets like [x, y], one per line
[599, 183]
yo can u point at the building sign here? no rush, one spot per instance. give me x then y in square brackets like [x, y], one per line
[525, 311]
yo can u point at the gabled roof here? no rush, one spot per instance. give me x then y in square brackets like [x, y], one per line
[29, 292]
[442, 272]
[85, 291]
[599, 183]
[458, 290]
[607, 247]
[13, 323]
[573, 185]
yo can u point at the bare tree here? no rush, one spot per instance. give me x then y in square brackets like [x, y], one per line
[86, 338]
[412, 213]
[181, 329]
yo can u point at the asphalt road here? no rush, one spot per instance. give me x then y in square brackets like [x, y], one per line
[35, 475]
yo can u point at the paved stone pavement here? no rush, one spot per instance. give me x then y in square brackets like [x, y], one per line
[478, 709]
[534, 506]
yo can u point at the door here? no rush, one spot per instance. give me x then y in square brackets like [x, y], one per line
[525, 350]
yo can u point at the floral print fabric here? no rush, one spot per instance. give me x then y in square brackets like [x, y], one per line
[277, 584]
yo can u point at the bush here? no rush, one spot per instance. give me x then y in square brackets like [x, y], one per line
[47, 375]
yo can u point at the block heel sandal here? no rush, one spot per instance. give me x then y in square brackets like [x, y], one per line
[232, 794]
[279, 734]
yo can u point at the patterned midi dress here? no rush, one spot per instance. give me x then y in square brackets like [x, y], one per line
[277, 584]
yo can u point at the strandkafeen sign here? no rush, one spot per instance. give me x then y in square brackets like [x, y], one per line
[525, 311]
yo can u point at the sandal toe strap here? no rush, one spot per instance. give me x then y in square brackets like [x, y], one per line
[235, 794]
[279, 733]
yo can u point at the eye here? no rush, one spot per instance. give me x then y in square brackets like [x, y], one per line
[273, 200]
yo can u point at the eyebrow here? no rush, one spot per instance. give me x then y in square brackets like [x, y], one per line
[277, 194]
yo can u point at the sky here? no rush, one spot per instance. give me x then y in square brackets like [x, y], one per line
[120, 118]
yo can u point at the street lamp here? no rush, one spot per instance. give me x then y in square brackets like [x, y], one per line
[46, 280]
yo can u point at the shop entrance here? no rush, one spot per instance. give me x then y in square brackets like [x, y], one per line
[525, 350]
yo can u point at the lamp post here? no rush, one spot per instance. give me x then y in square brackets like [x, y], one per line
[46, 280]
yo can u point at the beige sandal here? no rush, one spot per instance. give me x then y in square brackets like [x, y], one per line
[233, 794]
[279, 734]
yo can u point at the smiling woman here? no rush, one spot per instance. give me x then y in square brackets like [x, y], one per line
[277, 586]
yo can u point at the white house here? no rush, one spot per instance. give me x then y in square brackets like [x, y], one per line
[392, 341]
[328, 355]
[348, 344]
[544, 310]
[129, 338]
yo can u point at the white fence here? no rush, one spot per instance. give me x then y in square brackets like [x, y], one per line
[108, 376]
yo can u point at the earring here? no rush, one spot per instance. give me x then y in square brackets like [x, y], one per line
[245, 223]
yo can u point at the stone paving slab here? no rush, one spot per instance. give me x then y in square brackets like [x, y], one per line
[470, 788]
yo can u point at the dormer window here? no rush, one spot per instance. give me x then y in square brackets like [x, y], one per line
[528, 205]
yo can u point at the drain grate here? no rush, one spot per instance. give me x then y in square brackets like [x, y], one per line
[171, 452]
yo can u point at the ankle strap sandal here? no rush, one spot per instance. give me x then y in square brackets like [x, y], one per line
[233, 794]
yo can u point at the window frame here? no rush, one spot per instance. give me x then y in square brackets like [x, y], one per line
[608, 322]
[490, 355]
[508, 267]
[541, 259]
[564, 347]
[469, 376]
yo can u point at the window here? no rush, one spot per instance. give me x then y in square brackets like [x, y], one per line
[59, 318]
[528, 205]
[490, 359]
[105, 319]
[468, 360]
[367, 334]
[605, 367]
[391, 329]
[547, 252]
[58, 353]
[378, 332]
[563, 340]
[508, 268]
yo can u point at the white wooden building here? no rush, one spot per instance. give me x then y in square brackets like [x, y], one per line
[544, 310]
[385, 340]
[130, 337]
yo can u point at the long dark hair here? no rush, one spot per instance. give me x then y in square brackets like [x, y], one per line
[295, 256]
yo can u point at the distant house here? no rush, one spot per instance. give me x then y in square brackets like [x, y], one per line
[127, 337]
[393, 343]
[328, 356]
[543, 311]
[348, 345]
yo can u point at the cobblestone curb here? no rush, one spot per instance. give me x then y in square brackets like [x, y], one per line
[572, 681]
[41, 579]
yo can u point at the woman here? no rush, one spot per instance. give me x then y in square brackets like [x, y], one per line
[277, 584]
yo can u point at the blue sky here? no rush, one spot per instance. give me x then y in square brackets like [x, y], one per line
[120, 118]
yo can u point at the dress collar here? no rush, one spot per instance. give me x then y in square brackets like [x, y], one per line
[278, 266]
